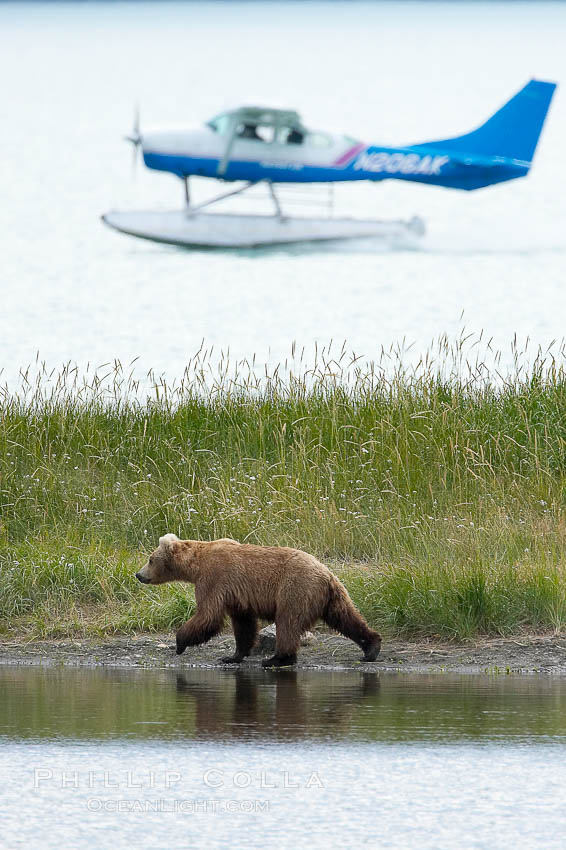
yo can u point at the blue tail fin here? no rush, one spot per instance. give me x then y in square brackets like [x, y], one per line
[512, 132]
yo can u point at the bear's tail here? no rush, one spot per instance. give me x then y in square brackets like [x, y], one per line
[341, 615]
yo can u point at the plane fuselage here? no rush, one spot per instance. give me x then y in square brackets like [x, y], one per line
[327, 158]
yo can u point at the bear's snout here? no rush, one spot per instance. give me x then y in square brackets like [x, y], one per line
[143, 579]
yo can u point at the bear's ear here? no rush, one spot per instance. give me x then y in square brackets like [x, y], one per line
[168, 540]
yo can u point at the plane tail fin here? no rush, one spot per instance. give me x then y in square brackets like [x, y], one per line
[511, 132]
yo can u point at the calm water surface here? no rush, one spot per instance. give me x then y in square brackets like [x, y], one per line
[385, 72]
[211, 758]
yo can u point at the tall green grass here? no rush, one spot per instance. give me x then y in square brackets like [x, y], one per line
[443, 483]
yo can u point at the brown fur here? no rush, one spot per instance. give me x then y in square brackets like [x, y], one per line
[256, 582]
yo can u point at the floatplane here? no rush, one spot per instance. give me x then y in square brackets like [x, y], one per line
[254, 145]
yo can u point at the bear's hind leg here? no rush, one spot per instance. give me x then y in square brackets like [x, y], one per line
[341, 616]
[279, 661]
[287, 640]
[245, 632]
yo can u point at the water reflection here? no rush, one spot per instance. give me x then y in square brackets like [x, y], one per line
[283, 705]
[214, 704]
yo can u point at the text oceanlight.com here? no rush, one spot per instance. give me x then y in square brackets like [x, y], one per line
[193, 807]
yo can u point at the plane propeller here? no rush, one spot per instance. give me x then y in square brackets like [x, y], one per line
[135, 136]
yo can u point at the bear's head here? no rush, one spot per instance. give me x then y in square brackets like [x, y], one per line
[162, 564]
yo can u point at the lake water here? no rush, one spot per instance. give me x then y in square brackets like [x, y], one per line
[213, 758]
[385, 72]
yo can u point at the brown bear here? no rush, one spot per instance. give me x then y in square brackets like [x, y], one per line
[250, 582]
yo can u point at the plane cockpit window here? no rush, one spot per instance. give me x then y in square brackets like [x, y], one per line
[290, 136]
[318, 140]
[267, 133]
[257, 132]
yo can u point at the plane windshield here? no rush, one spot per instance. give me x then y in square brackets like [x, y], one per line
[251, 130]
[219, 124]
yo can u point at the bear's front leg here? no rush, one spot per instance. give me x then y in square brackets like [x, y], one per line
[199, 629]
[245, 632]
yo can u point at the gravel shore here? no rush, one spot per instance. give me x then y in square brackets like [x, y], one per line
[521, 654]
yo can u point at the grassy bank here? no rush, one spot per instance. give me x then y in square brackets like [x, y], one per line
[437, 492]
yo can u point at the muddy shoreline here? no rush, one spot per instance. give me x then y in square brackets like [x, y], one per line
[529, 654]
